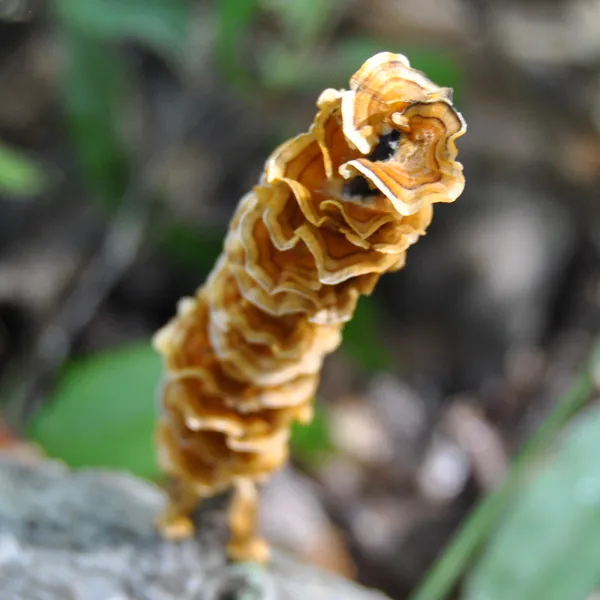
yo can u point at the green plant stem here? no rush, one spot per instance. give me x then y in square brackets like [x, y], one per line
[443, 576]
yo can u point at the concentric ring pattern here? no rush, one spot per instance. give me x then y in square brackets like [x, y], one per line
[335, 208]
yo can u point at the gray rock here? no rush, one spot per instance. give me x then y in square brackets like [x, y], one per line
[89, 535]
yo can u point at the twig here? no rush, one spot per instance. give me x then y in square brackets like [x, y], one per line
[119, 249]
[34, 375]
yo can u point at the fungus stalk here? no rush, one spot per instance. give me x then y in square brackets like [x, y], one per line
[335, 208]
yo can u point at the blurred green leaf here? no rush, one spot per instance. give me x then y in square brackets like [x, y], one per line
[354, 51]
[311, 443]
[303, 21]
[549, 547]
[161, 23]
[439, 66]
[19, 175]
[103, 412]
[288, 68]
[234, 20]
[361, 340]
[442, 577]
[193, 248]
[285, 68]
[93, 94]
[94, 77]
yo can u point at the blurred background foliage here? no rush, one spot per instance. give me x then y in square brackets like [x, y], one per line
[128, 131]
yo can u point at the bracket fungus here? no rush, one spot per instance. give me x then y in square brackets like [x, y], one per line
[334, 209]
